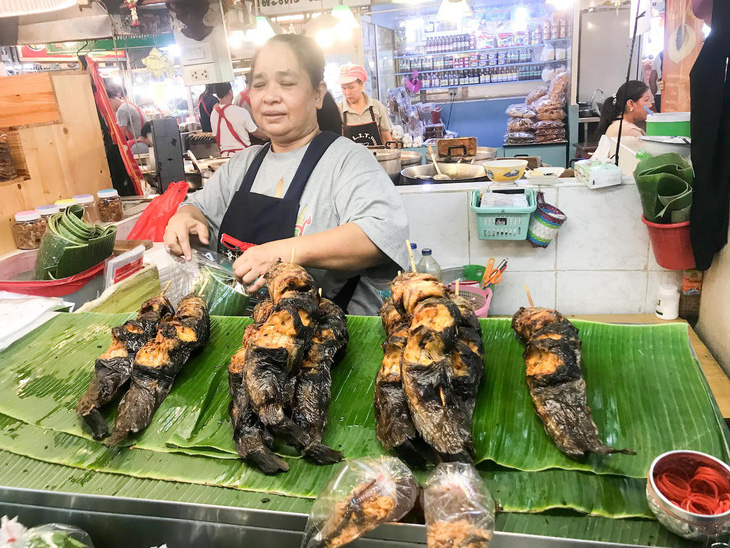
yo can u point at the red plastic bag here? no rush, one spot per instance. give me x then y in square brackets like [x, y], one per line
[151, 224]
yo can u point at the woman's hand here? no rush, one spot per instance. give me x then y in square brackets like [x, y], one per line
[255, 261]
[188, 220]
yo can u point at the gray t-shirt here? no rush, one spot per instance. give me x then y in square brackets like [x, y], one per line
[347, 186]
[128, 116]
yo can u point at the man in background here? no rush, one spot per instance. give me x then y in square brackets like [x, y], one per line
[655, 80]
[231, 124]
[129, 116]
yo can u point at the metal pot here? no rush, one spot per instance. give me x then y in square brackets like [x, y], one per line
[390, 161]
[410, 157]
[483, 154]
[459, 173]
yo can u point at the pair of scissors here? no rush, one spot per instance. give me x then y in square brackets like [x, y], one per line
[493, 276]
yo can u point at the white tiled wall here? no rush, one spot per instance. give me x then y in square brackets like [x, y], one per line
[600, 263]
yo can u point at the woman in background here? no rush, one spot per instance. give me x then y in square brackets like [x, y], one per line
[634, 99]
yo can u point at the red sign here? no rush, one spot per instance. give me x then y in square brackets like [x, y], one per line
[40, 53]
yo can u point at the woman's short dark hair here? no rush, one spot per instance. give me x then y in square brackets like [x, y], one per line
[222, 89]
[311, 59]
[613, 108]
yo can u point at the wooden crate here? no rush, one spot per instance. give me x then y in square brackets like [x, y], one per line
[28, 99]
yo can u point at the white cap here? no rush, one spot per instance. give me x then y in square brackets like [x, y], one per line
[84, 198]
[47, 209]
[30, 215]
[668, 290]
[107, 193]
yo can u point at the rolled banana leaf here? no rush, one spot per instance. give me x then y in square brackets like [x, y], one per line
[665, 187]
[70, 245]
[223, 295]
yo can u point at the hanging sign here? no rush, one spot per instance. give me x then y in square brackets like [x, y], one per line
[286, 7]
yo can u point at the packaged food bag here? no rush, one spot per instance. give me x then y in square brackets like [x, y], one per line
[54, 535]
[458, 508]
[360, 495]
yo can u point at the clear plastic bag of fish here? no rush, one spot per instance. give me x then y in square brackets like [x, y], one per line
[360, 495]
[54, 535]
[458, 508]
[210, 275]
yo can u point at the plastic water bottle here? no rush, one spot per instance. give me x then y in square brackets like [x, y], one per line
[428, 265]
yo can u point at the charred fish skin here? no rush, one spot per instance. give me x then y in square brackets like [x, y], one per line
[555, 379]
[113, 369]
[157, 364]
[249, 435]
[410, 288]
[310, 400]
[430, 380]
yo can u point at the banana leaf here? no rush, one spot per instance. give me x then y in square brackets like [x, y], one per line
[43, 375]
[515, 491]
[665, 187]
[70, 245]
[23, 472]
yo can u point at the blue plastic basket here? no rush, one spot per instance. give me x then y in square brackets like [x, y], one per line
[503, 223]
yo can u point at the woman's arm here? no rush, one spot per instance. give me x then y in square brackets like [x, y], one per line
[345, 247]
[188, 220]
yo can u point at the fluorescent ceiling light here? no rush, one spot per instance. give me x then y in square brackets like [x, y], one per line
[14, 8]
[263, 30]
[562, 4]
[346, 17]
[454, 10]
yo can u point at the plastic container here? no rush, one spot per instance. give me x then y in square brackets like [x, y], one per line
[428, 265]
[667, 302]
[47, 210]
[63, 204]
[28, 229]
[686, 524]
[668, 124]
[690, 297]
[671, 244]
[503, 223]
[416, 254]
[91, 212]
[110, 206]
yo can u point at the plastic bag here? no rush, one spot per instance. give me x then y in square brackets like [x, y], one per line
[151, 224]
[548, 124]
[54, 535]
[543, 104]
[558, 86]
[458, 508]
[360, 495]
[519, 110]
[548, 53]
[209, 275]
[519, 138]
[547, 74]
[519, 124]
[551, 115]
[535, 94]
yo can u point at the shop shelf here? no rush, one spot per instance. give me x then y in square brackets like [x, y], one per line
[474, 85]
[440, 54]
[508, 65]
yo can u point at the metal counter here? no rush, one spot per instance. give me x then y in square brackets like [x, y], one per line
[115, 522]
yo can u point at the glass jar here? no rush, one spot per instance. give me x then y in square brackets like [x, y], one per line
[91, 212]
[110, 206]
[28, 229]
[47, 210]
[63, 204]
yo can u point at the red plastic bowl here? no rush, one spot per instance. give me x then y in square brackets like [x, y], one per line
[52, 288]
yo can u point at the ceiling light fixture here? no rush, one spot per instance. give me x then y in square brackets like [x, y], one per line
[346, 17]
[454, 10]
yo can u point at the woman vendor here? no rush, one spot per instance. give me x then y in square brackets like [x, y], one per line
[634, 99]
[364, 119]
[309, 193]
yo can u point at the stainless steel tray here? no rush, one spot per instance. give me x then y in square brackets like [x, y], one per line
[116, 522]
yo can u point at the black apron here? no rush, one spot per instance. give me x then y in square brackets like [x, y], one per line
[256, 219]
[367, 134]
[710, 130]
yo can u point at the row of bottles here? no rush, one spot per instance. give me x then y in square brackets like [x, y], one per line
[479, 76]
[465, 60]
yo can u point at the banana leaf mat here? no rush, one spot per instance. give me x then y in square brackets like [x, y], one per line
[645, 389]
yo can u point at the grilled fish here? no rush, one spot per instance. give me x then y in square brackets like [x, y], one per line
[157, 364]
[393, 423]
[113, 368]
[434, 381]
[555, 380]
[410, 288]
[311, 398]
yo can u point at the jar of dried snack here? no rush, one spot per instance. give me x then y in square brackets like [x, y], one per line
[110, 206]
[47, 210]
[63, 204]
[91, 212]
[28, 229]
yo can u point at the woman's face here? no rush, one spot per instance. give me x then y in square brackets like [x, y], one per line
[639, 112]
[283, 100]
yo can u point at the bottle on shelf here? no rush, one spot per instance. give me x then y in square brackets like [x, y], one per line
[428, 265]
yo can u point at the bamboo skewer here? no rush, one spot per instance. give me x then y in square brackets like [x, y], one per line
[529, 297]
[457, 288]
[410, 254]
[293, 251]
[166, 288]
